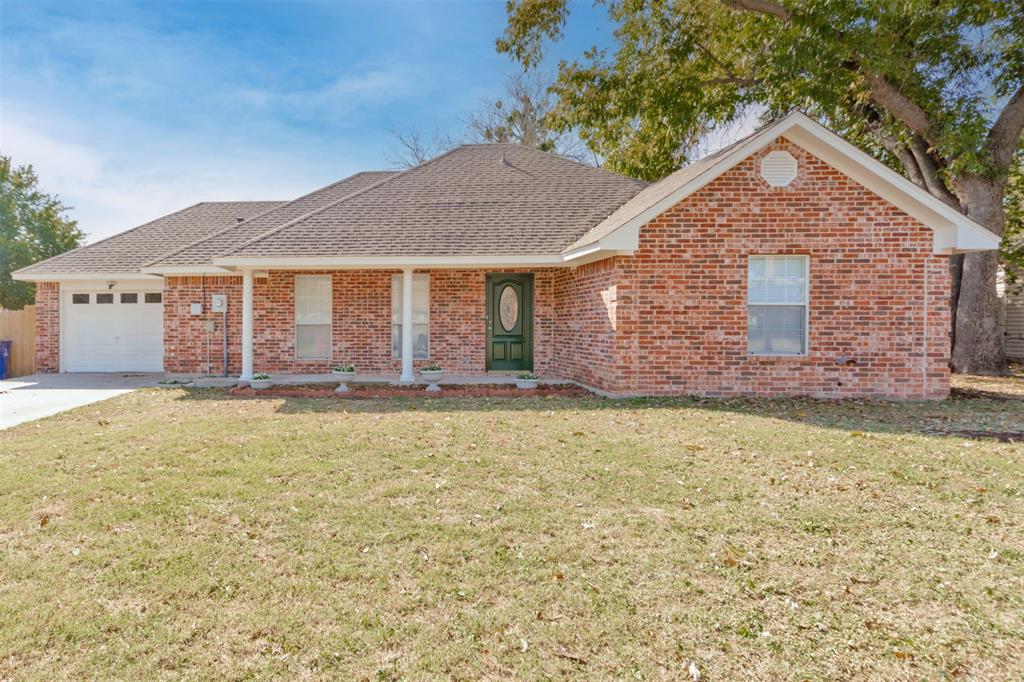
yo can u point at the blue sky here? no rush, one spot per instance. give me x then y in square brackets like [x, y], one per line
[130, 110]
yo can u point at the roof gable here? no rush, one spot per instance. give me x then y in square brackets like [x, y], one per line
[498, 200]
[202, 251]
[954, 232]
[128, 251]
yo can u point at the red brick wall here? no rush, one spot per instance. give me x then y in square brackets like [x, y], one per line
[47, 356]
[586, 323]
[188, 347]
[458, 310]
[669, 320]
[361, 322]
[681, 312]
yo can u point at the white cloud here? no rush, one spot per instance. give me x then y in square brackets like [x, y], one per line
[113, 190]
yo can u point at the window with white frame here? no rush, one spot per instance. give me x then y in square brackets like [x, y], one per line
[312, 317]
[777, 305]
[420, 316]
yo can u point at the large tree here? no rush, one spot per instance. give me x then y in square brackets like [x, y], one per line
[935, 88]
[32, 228]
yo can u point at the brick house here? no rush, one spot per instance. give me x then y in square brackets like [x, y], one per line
[789, 263]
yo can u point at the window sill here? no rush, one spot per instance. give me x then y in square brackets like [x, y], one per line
[776, 356]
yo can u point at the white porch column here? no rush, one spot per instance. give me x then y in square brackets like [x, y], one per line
[246, 326]
[407, 375]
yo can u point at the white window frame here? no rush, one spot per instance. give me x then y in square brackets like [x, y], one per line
[330, 316]
[806, 304]
[396, 314]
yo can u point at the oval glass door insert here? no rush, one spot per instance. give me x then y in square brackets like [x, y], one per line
[508, 308]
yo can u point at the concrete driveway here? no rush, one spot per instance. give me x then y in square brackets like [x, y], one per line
[23, 399]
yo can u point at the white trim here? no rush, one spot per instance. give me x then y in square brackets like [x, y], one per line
[189, 270]
[79, 276]
[806, 305]
[954, 232]
[330, 316]
[389, 262]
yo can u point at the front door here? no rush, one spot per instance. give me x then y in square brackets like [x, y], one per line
[510, 321]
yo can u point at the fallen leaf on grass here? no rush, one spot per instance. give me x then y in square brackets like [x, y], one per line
[571, 657]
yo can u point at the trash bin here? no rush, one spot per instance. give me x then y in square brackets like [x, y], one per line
[5, 358]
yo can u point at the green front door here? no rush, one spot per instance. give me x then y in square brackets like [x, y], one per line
[510, 321]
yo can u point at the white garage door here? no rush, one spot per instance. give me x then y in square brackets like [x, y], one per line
[113, 331]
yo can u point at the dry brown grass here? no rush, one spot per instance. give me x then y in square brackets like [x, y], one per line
[183, 533]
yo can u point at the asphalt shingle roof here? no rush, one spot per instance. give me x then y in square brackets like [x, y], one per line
[129, 251]
[476, 200]
[213, 244]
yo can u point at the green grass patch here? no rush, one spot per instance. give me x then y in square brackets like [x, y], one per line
[179, 532]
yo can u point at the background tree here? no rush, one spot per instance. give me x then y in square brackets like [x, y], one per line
[1012, 250]
[32, 228]
[934, 88]
[522, 116]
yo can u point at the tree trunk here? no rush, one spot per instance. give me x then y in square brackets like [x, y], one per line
[978, 343]
[956, 273]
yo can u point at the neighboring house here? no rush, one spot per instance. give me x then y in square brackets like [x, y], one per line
[1013, 308]
[788, 263]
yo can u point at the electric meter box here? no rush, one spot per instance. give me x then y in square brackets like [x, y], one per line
[219, 303]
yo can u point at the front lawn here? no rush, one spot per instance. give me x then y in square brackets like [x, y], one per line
[185, 533]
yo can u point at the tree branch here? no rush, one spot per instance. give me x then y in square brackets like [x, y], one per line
[906, 158]
[902, 108]
[883, 92]
[761, 7]
[1002, 139]
[929, 168]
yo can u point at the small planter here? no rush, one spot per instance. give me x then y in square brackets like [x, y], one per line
[344, 378]
[432, 374]
[527, 381]
[260, 384]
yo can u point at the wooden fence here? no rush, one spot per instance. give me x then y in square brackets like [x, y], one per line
[19, 326]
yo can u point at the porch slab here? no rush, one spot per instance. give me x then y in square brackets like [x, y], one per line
[504, 378]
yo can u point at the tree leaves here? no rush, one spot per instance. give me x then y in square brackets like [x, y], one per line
[32, 228]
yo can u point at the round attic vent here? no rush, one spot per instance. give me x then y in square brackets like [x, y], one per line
[778, 168]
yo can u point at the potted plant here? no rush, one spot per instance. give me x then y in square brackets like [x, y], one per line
[526, 381]
[344, 374]
[432, 373]
[260, 381]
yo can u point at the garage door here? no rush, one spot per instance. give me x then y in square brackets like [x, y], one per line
[113, 331]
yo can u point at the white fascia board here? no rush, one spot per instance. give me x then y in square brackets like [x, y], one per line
[185, 270]
[154, 284]
[372, 262]
[621, 245]
[74, 276]
[593, 253]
